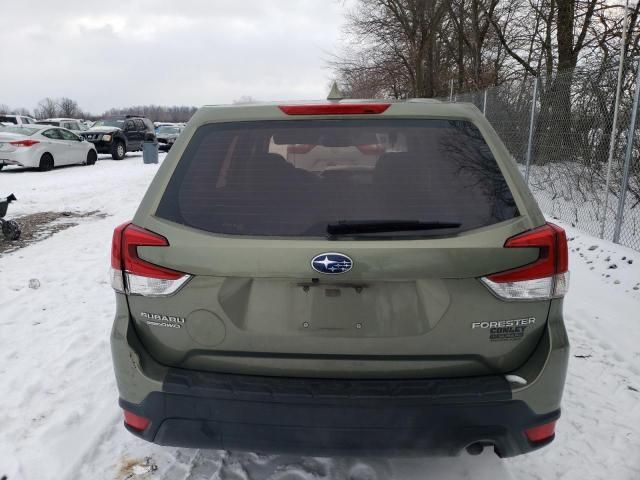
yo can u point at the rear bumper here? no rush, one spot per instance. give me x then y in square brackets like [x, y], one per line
[316, 416]
[336, 417]
[101, 146]
[19, 158]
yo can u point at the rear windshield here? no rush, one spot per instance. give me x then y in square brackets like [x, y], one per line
[109, 122]
[169, 130]
[27, 131]
[294, 178]
[8, 119]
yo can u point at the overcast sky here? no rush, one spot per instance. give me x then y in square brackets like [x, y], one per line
[170, 52]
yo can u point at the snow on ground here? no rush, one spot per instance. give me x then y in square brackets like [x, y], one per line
[60, 418]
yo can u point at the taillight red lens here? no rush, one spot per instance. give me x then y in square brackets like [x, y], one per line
[116, 246]
[134, 237]
[24, 143]
[553, 257]
[541, 432]
[135, 421]
[335, 109]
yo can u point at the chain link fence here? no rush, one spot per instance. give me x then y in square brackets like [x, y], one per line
[559, 130]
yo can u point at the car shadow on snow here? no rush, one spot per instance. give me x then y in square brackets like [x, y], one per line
[14, 169]
[128, 156]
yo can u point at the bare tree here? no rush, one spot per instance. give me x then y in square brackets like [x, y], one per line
[68, 108]
[411, 48]
[47, 108]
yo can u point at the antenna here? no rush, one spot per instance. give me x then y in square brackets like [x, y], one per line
[335, 94]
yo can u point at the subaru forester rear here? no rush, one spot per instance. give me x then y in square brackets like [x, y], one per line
[340, 278]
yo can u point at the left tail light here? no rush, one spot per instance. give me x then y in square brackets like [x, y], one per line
[24, 143]
[135, 276]
[545, 278]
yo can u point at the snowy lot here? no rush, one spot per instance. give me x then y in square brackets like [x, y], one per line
[60, 419]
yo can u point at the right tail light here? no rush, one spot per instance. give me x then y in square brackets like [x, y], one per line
[544, 279]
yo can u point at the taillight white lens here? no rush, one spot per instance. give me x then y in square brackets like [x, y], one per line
[560, 285]
[117, 282]
[538, 289]
[153, 287]
[543, 279]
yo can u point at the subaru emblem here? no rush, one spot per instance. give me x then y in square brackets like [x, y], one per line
[331, 263]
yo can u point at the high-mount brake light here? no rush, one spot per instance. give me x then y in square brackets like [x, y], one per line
[335, 109]
[543, 279]
[133, 275]
[24, 143]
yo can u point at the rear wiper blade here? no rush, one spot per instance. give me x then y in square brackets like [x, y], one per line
[346, 227]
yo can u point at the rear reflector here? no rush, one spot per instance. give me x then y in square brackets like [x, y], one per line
[133, 275]
[545, 278]
[24, 143]
[335, 109]
[135, 421]
[541, 432]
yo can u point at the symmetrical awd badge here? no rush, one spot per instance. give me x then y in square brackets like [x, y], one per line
[331, 263]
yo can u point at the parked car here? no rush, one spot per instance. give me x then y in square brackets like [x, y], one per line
[72, 124]
[119, 135]
[44, 147]
[405, 299]
[18, 120]
[167, 135]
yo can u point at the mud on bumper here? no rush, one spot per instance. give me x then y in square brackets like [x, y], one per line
[337, 417]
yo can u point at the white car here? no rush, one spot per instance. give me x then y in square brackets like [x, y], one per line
[43, 147]
[72, 124]
[19, 120]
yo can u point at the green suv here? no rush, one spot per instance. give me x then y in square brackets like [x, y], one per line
[340, 278]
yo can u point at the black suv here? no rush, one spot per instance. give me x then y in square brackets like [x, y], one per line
[119, 135]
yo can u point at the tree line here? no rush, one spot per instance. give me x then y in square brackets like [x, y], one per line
[416, 48]
[65, 107]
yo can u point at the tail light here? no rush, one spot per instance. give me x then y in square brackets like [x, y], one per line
[546, 278]
[24, 143]
[335, 108]
[133, 275]
[135, 421]
[541, 433]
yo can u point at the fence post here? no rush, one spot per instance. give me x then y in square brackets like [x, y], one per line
[614, 126]
[531, 122]
[451, 90]
[484, 103]
[627, 161]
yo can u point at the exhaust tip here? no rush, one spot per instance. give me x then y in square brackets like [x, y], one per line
[475, 448]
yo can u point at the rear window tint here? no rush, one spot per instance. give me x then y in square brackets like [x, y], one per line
[293, 178]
